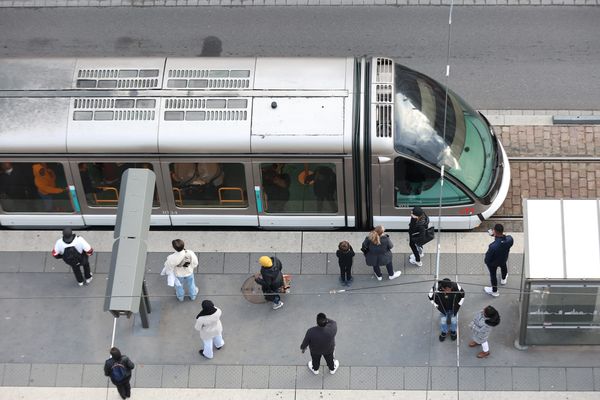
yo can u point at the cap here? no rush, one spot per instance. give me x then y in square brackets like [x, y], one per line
[418, 211]
[265, 261]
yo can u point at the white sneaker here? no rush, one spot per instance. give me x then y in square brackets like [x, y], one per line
[80, 283]
[396, 274]
[417, 263]
[379, 277]
[504, 281]
[278, 305]
[88, 280]
[489, 290]
[336, 364]
[411, 257]
[311, 368]
[420, 250]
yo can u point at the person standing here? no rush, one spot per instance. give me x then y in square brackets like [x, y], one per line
[481, 327]
[377, 248]
[497, 256]
[270, 279]
[419, 221]
[320, 340]
[118, 367]
[208, 323]
[345, 255]
[448, 297]
[74, 251]
[181, 265]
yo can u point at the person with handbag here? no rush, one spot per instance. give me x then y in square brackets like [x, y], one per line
[377, 248]
[417, 232]
[179, 267]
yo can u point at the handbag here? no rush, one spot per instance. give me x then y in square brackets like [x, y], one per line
[429, 235]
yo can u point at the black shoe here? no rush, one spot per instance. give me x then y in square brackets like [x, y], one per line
[342, 281]
[219, 348]
[453, 335]
[202, 353]
[442, 337]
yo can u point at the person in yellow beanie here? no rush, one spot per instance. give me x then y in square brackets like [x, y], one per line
[270, 279]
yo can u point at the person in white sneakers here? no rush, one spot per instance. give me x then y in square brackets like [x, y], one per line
[419, 221]
[208, 323]
[74, 251]
[182, 264]
[320, 340]
[497, 256]
[377, 248]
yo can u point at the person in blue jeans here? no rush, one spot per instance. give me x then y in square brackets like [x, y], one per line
[180, 268]
[447, 297]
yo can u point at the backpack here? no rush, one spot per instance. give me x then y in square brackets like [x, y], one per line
[118, 372]
[186, 261]
[72, 257]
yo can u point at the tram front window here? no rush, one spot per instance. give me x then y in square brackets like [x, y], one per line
[468, 149]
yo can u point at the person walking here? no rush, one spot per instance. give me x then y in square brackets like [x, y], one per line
[271, 279]
[345, 255]
[497, 256]
[320, 340]
[447, 297]
[377, 248]
[118, 367]
[74, 251]
[179, 267]
[481, 327]
[208, 323]
[419, 221]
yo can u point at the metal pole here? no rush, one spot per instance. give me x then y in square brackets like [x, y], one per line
[145, 296]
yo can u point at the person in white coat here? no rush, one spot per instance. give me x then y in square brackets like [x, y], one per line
[481, 327]
[180, 267]
[208, 323]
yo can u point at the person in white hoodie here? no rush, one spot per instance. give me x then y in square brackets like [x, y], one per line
[180, 268]
[208, 323]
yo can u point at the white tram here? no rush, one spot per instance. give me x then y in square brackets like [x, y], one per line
[299, 143]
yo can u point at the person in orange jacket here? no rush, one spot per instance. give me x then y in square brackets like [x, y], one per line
[45, 182]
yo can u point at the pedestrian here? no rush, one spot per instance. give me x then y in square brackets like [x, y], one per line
[345, 255]
[208, 323]
[417, 228]
[497, 256]
[447, 297]
[271, 279]
[377, 248]
[118, 367]
[481, 327]
[320, 340]
[179, 267]
[74, 251]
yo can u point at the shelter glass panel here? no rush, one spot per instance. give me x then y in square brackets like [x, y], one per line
[102, 182]
[209, 185]
[34, 187]
[299, 187]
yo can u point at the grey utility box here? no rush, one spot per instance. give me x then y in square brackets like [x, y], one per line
[128, 261]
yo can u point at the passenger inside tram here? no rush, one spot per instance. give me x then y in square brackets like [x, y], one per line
[16, 186]
[45, 182]
[276, 184]
[197, 182]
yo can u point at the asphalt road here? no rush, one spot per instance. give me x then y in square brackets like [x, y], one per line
[501, 57]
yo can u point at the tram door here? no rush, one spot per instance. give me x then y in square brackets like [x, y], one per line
[299, 193]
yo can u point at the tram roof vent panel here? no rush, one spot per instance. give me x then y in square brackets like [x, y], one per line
[118, 73]
[209, 73]
[205, 125]
[33, 125]
[384, 70]
[303, 73]
[382, 106]
[36, 73]
[113, 124]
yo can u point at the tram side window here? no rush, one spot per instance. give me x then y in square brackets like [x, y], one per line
[299, 188]
[34, 187]
[102, 181]
[417, 185]
[209, 185]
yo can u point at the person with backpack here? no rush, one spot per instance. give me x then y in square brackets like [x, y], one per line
[447, 297]
[74, 251]
[270, 279]
[118, 367]
[497, 256]
[179, 267]
[481, 327]
[417, 235]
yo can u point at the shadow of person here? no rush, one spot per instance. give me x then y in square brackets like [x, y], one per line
[211, 47]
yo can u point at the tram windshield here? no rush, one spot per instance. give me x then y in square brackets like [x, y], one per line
[468, 150]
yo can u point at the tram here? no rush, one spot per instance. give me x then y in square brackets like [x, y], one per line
[273, 143]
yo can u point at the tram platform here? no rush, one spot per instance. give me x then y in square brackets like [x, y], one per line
[56, 336]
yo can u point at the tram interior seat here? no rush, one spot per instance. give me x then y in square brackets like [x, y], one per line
[113, 201]
[233, 190]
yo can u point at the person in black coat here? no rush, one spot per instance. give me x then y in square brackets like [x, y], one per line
[345, 255]
[377, 248]
[419, 221]
[320, 340]
[497, 256]
[119, 366]
[270, 279]
[447, 297]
